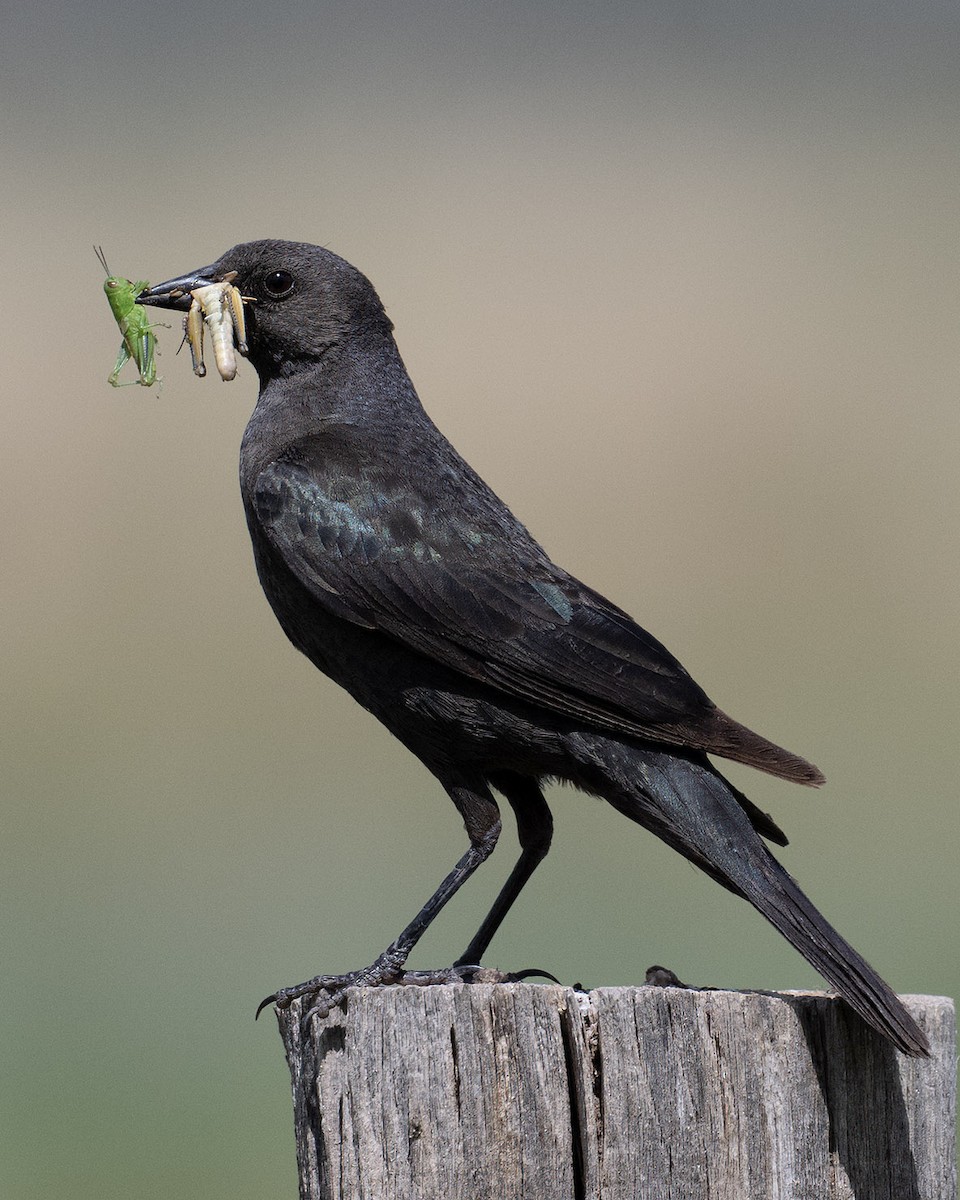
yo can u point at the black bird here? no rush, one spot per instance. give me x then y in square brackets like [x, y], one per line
[394, 568]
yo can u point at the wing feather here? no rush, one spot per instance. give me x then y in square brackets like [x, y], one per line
[497, 610]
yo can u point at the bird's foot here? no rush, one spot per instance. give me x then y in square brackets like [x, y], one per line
[331, 990]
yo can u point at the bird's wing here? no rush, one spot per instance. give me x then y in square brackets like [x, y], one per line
[498, 611]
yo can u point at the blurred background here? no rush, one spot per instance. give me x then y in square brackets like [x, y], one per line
[679, 280]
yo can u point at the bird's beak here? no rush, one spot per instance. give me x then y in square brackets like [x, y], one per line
[175, 293]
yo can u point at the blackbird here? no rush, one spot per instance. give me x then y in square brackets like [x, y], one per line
[398, 572]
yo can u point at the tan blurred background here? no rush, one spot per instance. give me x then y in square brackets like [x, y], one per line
[680, 281]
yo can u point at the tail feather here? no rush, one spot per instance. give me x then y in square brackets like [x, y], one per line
[781, 901]
[762, 822]
[688, 804]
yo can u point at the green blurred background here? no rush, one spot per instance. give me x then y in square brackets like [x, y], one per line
[680, 281]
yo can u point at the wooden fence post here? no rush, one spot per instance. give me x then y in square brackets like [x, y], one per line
[534, 1092]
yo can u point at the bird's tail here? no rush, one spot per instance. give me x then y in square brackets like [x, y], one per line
[693, 809]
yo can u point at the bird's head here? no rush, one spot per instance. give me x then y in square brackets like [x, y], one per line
[301, 302]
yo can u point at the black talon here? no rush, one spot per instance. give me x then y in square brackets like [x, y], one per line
[274, 999]
[530, 972]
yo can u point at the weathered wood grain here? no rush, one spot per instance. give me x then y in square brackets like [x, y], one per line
[535, 1092]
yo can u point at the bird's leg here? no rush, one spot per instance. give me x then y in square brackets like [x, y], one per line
[482, 819]
[535, 831]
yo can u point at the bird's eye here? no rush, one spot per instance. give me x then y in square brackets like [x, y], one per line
[278, 284]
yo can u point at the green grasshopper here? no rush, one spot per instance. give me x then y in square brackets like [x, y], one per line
[139, 342]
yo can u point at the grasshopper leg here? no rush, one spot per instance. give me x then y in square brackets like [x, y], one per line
[147, 360]
[122, 359]
[235, 303]
[193, 334]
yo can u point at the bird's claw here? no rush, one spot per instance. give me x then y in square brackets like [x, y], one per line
[533, 973]
[335, 985]
[331, 990]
